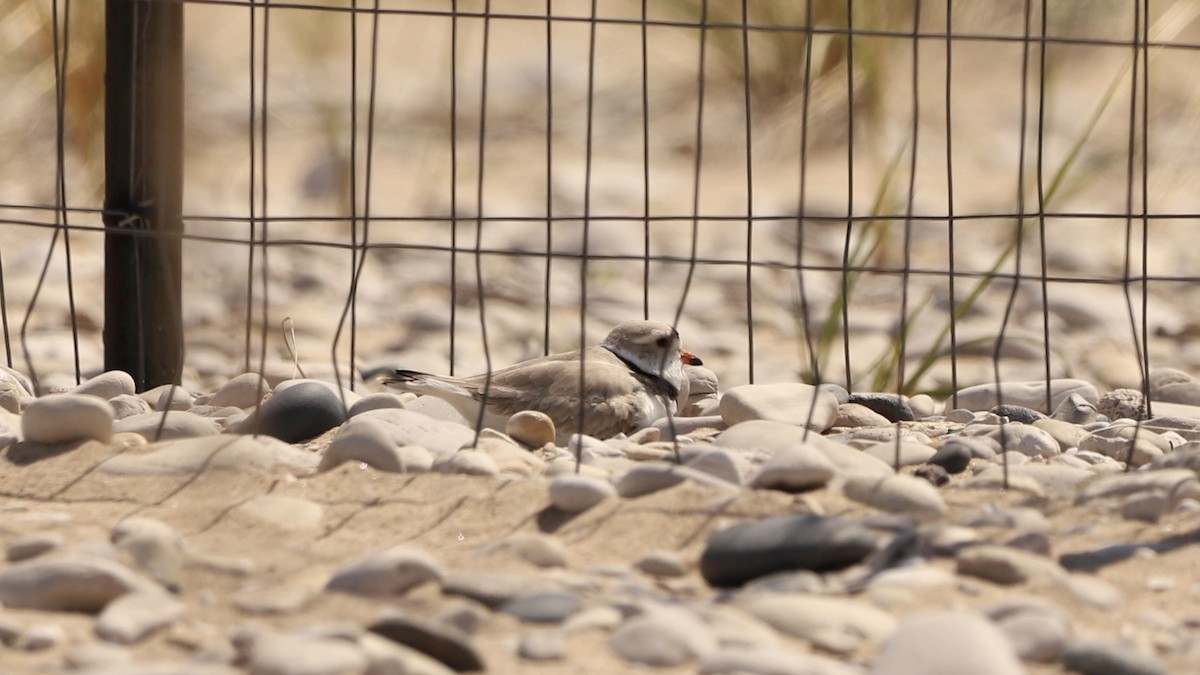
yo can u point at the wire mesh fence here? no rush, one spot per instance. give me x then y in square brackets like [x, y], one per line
[911, 196]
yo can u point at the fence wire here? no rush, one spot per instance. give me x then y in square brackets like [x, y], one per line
[904, 196]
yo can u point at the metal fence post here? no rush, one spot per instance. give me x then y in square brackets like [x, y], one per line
[143, 198]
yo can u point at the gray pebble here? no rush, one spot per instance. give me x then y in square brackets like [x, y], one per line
[1095, 657]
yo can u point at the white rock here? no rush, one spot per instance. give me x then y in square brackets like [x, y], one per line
[392, 571]
[469, 463]
[107, 385]
[244, 391]
[576, 493]
[795, 468]
[791, 403]
[377, 401]
[946, 642]
[172, 397]
[717, 462]
[411, 428]
[902, 494]
[367, 440]
[837, 624]
[66, 418]
[1028, 394]
[662, 636]
[134, 616]
[68, 583]
[910, 453]
[772, 661]
[128, 405]
[282, 654]
[1026, 439]
[154, 545]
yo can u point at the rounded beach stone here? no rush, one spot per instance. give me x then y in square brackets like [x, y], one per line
[890, 406]
[134, 616]
[1029, 394]
[440, 641]
[661, 564]
[74, 584]
[31, 546]
[901, 494]
[169, 397]
[543, 607]
[1122, 404]
[1006, 565]
[954, 457]
[795, 468]
[107, 385]
[66, 418]
[1095, 656]
[369, 441]
[835, 624]
[662, 636]
[393, 571]
[534, 548]
[167, 426]
[154, 545]
[282, 654]
[531, 428]
[128, 405]
[297, 413]
[789, 402]
[910, 453]
[377, 401]
[963, 642]
[243, 391]
[1076, 410]
[575, 493]
[756, 548]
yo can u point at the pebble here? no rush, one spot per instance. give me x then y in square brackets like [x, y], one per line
[531, 428]
[953, 456]
[858, 415]
[32, 546]
[68, 583]
[293, 654]
[1122, 404]
[1030, 394]
[947, 643]
[1075, 409]
[496, 588]
[575, 493]
[543, 607]
[543, 645]
[297, 413]
[662, 636]
[107, 385]
[740, 661]
[1025, 439]
[791, 403]
[891, 407]
[468, 462]
[537, 549]
[756, 548]
[128, 405]
[444, 643]
[661, 564]
[1118, 443]
[1103, 657]
[901, 494]
[386, 656]
[378, 401]
[367, 440]
[413, 428]
[795, 468]
[390, 572]
[1005, 565]
[172, 397]
[133, 616]
[243, 391]
[67, 418]
[837, 625]
[1017, 413]
[1038, 629]
[167, 426]
[153, 546]
[904, 453]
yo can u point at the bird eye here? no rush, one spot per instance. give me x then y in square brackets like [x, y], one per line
[662, 342]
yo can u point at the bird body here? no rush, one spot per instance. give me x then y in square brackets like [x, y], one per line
[634, 377]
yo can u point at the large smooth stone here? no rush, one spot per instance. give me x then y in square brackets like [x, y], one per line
[789, 402]
[67, 418]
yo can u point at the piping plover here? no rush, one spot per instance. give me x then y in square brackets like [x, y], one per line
[632, 378]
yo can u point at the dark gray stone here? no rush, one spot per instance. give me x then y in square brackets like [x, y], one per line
[297, 413]
[891, 406]
[936, 475]
[443, 643]
[548, 607]
[1017, 413]
[757, 548]
[1107, 658]
[953, 457]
